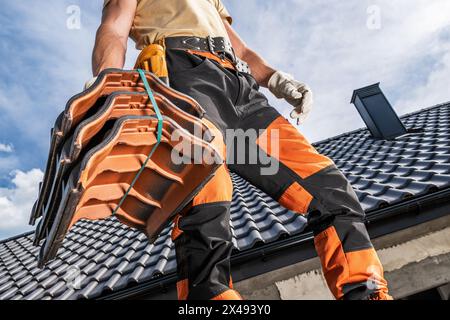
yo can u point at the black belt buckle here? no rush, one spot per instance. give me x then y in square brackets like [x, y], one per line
[211, 46]
[232, 55]
[221, 51]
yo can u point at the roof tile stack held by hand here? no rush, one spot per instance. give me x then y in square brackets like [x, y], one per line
[100, 144]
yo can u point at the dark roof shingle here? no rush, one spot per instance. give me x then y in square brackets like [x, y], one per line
[110, 256]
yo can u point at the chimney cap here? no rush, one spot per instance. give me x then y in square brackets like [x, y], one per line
[378, 114]
[366, 91]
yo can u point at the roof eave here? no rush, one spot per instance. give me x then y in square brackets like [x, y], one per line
[299, 248]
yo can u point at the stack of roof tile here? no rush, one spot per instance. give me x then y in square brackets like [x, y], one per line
[100, 143]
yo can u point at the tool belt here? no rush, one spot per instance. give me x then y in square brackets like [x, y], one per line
[218, 49]
[217, 46]
[153, 59]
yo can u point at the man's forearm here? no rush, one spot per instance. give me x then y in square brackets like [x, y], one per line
[109, 51]
[112, 35]
[261, 70]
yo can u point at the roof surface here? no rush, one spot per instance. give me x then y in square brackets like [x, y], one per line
[111, 257]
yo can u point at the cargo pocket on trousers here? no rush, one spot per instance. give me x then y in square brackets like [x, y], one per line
[181, 62]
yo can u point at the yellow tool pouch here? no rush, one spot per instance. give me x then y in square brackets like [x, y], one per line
[153, 59]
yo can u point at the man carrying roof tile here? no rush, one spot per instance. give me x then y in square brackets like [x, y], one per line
[203, 55]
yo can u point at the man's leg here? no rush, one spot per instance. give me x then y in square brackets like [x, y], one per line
[203, 239]
[203, 244]
[305, 181]
[308, 182]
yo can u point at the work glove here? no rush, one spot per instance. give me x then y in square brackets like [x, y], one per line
[89, 83]
[299, 95]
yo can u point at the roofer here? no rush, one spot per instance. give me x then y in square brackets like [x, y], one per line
[201, 52]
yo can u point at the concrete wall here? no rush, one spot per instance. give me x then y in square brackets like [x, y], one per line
[415, 259]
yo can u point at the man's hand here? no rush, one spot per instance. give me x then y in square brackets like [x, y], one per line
[89, 83]
[280, 84]
[299, 95]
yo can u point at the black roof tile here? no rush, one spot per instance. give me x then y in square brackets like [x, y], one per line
[49, 282]
[9, 293]
[111, 256]
[34, 295]
[88, 289]
[67, 294]
[29, 287]
[7, 285]
[62, 269]
[24, 280]
[57, 288]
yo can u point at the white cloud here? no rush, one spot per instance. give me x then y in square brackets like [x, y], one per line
[434, 90]
[7, 148]
[16, 202]
[328, 45]
[325, 43]
[60, 60]
[8, 159]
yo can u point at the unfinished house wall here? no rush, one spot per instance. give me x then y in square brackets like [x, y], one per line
[415, 260]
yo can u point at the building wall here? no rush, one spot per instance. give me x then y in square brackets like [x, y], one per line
[415, 260]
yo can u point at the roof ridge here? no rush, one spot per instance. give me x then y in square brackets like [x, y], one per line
[413, 113]
[22, 235]
[406, 115]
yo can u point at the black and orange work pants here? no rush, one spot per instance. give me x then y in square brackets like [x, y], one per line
[306, 182]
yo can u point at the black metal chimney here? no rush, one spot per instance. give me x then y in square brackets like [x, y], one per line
[377, 113]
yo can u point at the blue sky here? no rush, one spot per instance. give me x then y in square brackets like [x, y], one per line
[333, 45]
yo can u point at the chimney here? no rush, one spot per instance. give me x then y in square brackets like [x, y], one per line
[377, 113]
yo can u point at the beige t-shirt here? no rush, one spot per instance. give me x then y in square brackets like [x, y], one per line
[156, 19]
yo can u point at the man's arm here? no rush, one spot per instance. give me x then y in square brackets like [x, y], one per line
[112, 35]
[261, 70]
[282, 85]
